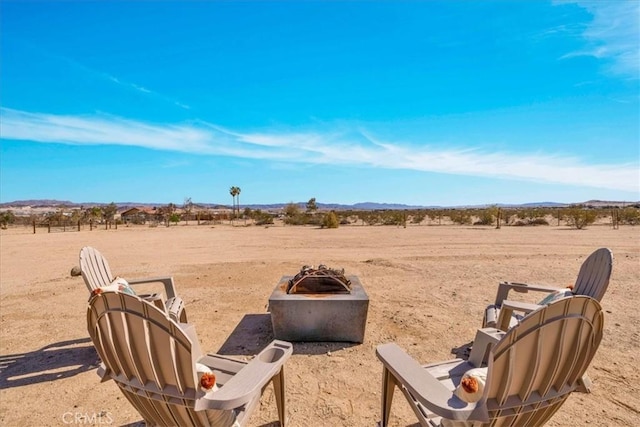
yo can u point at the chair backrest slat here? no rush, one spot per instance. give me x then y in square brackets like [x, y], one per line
[95, 268]
[594, 274]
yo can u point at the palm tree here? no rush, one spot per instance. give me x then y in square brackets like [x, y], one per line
[238, 200]
[234, 191]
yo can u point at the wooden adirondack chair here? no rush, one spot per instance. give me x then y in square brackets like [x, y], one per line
[154, 360]
[592, 280]
[531, 371]
[97, 274]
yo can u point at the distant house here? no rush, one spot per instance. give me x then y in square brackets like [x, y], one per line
[138, 215]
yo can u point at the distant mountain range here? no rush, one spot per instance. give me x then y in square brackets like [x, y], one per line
[322, 206]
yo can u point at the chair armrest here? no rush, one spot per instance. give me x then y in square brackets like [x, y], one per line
[425, 388]
[175, 309]
[505, 287]
[251, 379]
[169, 286]
[485, 339]
[508, 307]
[155, 299]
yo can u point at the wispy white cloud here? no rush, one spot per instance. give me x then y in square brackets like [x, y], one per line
[140, 89]
[342, 146]
[74, 64]
[614, 33]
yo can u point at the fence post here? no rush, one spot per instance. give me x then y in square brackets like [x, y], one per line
[91, 225]
[78, 225]
[34, 226]
[49, 226]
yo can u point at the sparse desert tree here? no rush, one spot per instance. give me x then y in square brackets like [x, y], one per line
[58, 217]
[579, 217]
[95, 213]
[187, 206]
[629, 216]
[6, 218]
[310, 213]
[312, 206]
[108, 211]
[76, 216]
[164, 213]
[160, 214]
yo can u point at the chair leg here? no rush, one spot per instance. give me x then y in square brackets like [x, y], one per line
[584, 384]
[388, 387]
[278, 389]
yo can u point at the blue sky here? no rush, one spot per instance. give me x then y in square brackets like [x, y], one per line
[422, 103]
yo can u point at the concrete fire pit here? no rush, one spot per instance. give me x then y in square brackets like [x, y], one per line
[319, 308]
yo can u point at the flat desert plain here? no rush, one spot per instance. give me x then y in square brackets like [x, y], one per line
[428, 286]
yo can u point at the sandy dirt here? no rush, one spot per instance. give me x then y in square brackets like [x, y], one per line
[428, 287]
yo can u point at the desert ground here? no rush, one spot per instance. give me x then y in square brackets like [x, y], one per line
[428, 287]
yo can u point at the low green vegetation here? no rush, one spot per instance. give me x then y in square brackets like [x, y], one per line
[310, 214]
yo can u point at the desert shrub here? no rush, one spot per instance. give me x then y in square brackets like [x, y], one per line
[299, 219]
[393, 218]
[330, 220]
[174, 218]
[460, 217]
[418, 217]
[538, 221]
[369, 218]
[485, 217]
[629, 216]
[579, 217]
[313, 219]
[261, 218]
[530, 222]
